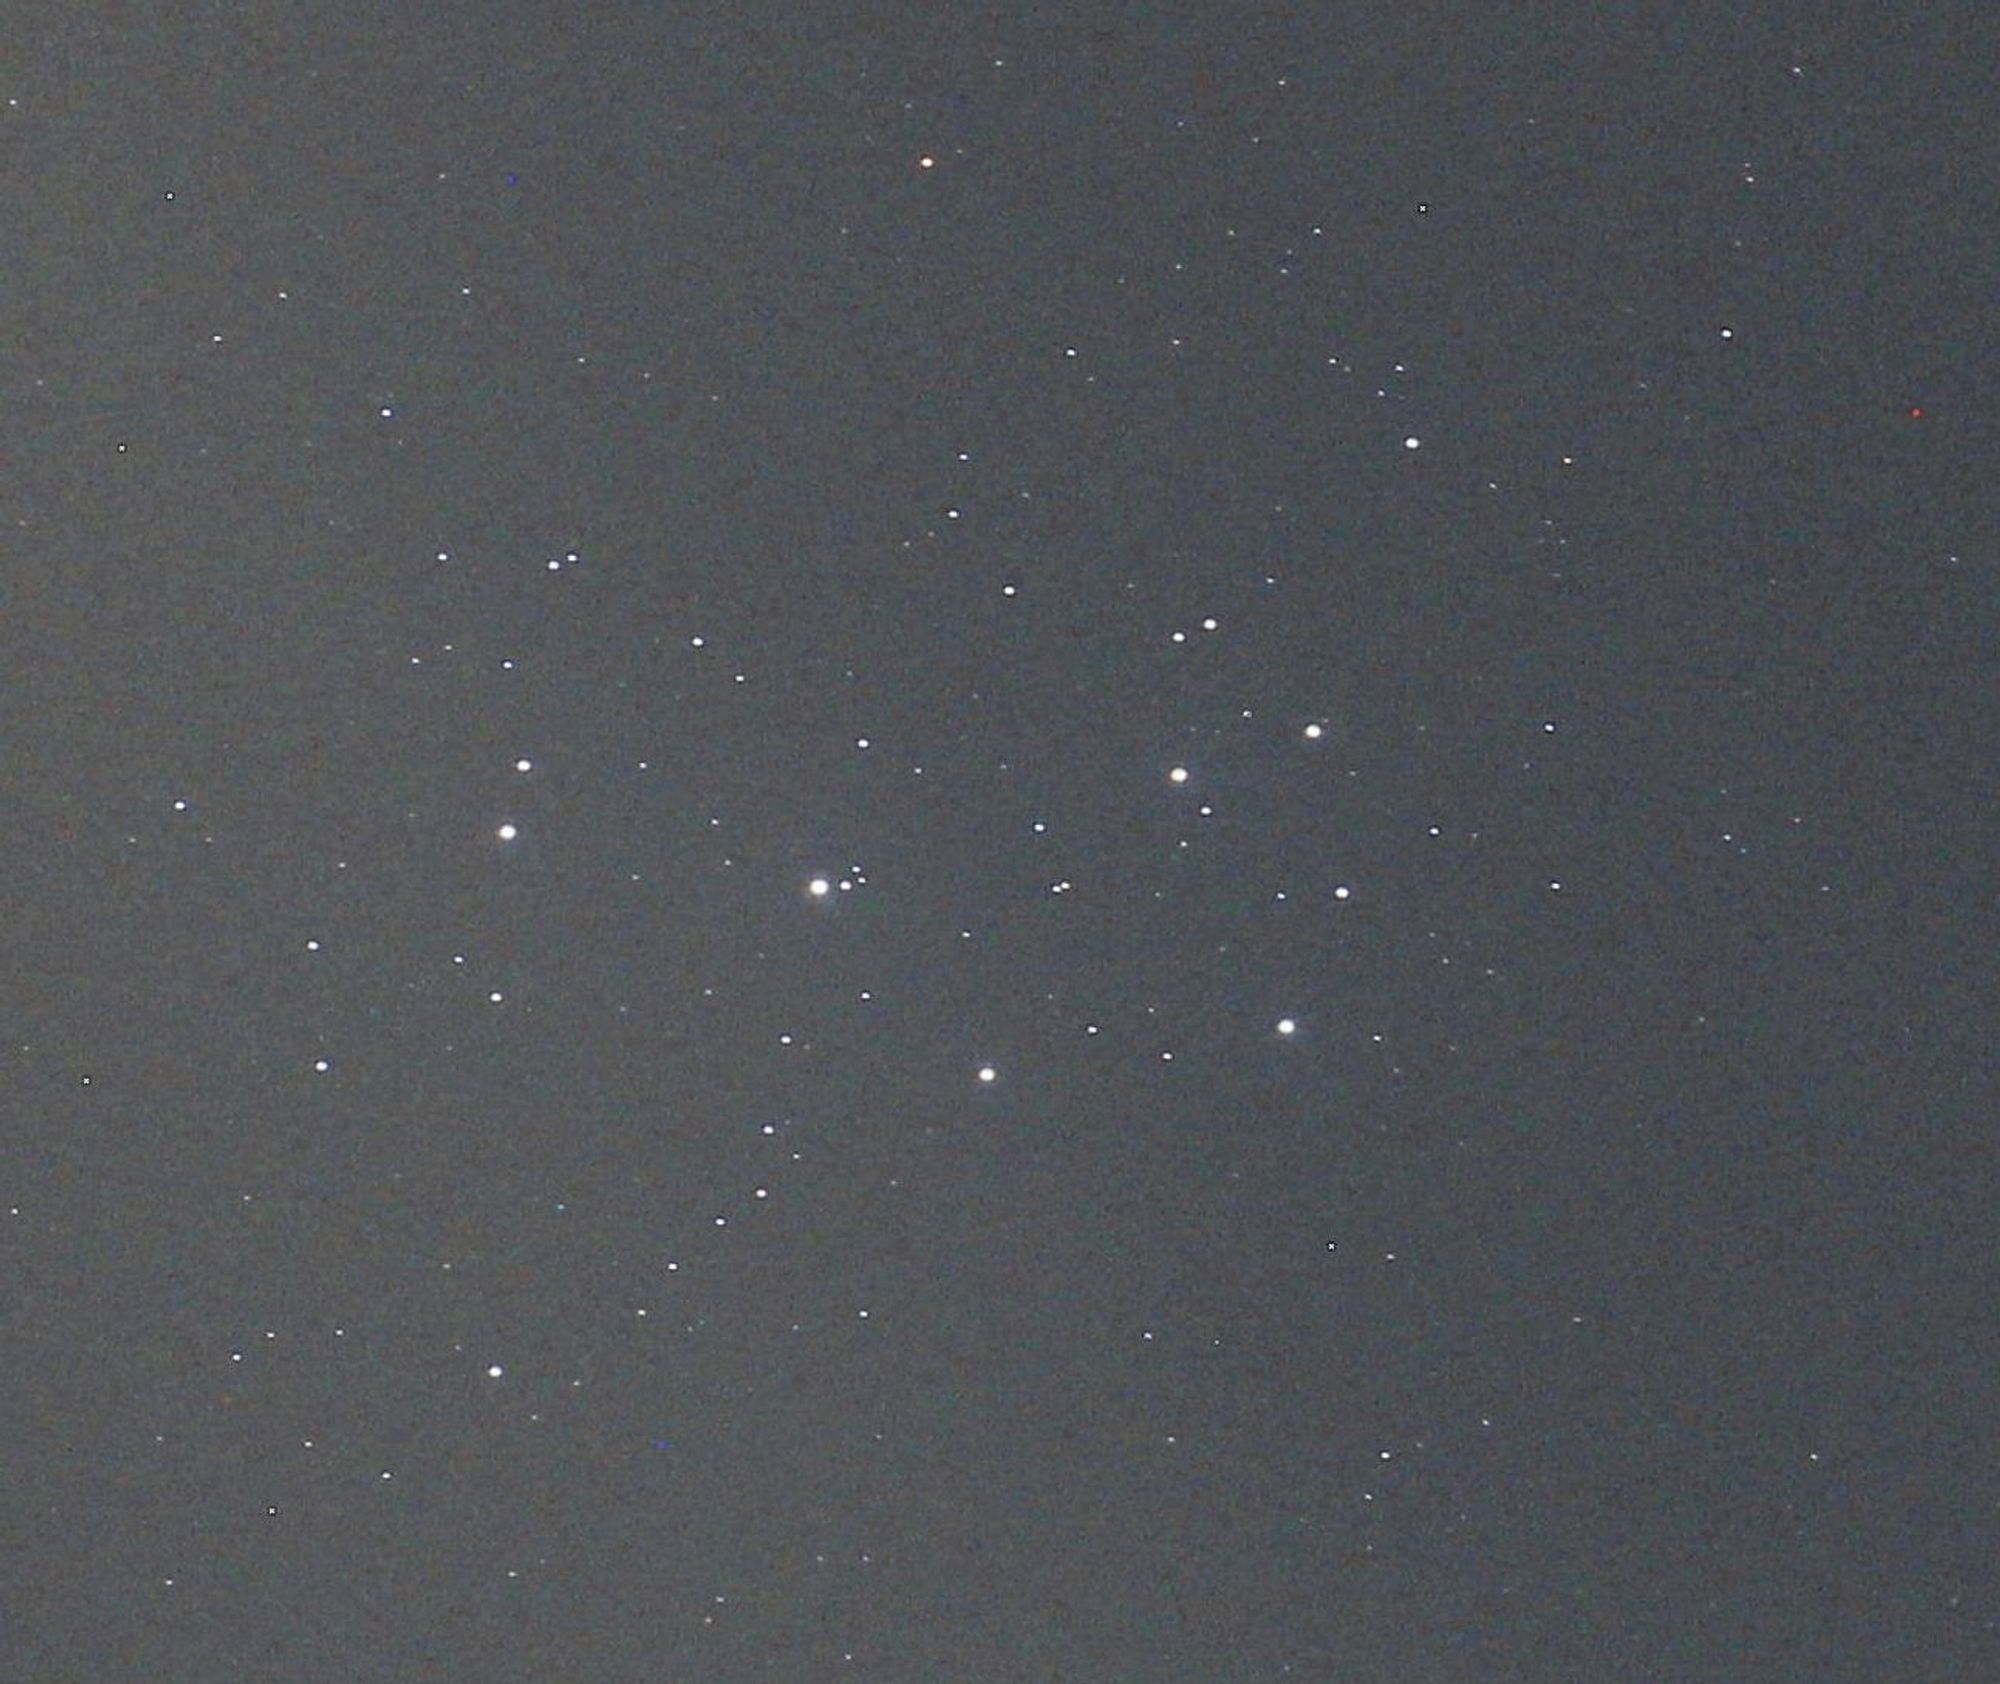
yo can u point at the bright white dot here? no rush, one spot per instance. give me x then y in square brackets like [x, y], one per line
[524, 765]
[321, 1065]
[1412, 442]
[1179, 775]
[1315, 731]
[494, 1371]
[496, 997]
[506, 833]
[988, 1074]
[1342, 891]
[819, 886]
[927, 162]
[1288, 1026]
[861, 742]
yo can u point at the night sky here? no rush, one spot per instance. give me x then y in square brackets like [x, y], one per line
[998, 843]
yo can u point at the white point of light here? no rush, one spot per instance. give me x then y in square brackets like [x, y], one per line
[1342, 892]
[1288, 1026]
[524, 765]
[819, 888]
[1412, 442]
[495, 1371]
[988, 1074]
[1315, 731]
[506, 833]
[1179, 775]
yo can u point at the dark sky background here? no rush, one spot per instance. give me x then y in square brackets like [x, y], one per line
[1379, 623]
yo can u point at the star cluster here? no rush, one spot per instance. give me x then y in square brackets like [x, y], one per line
[1059, 850]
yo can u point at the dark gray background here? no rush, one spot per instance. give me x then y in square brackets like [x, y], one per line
[1597, 1285]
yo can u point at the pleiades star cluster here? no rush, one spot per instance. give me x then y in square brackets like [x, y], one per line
[1058, 844]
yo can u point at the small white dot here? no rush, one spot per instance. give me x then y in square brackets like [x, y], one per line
[1179, 775]
[494, 1371]
[819, 887]
[988, 1074]
[506, 833]
[1288, 1026]
[1412, 442]
[524, 765]
[1342, 892]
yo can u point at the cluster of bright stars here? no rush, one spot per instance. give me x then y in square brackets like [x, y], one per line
[825, 887]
